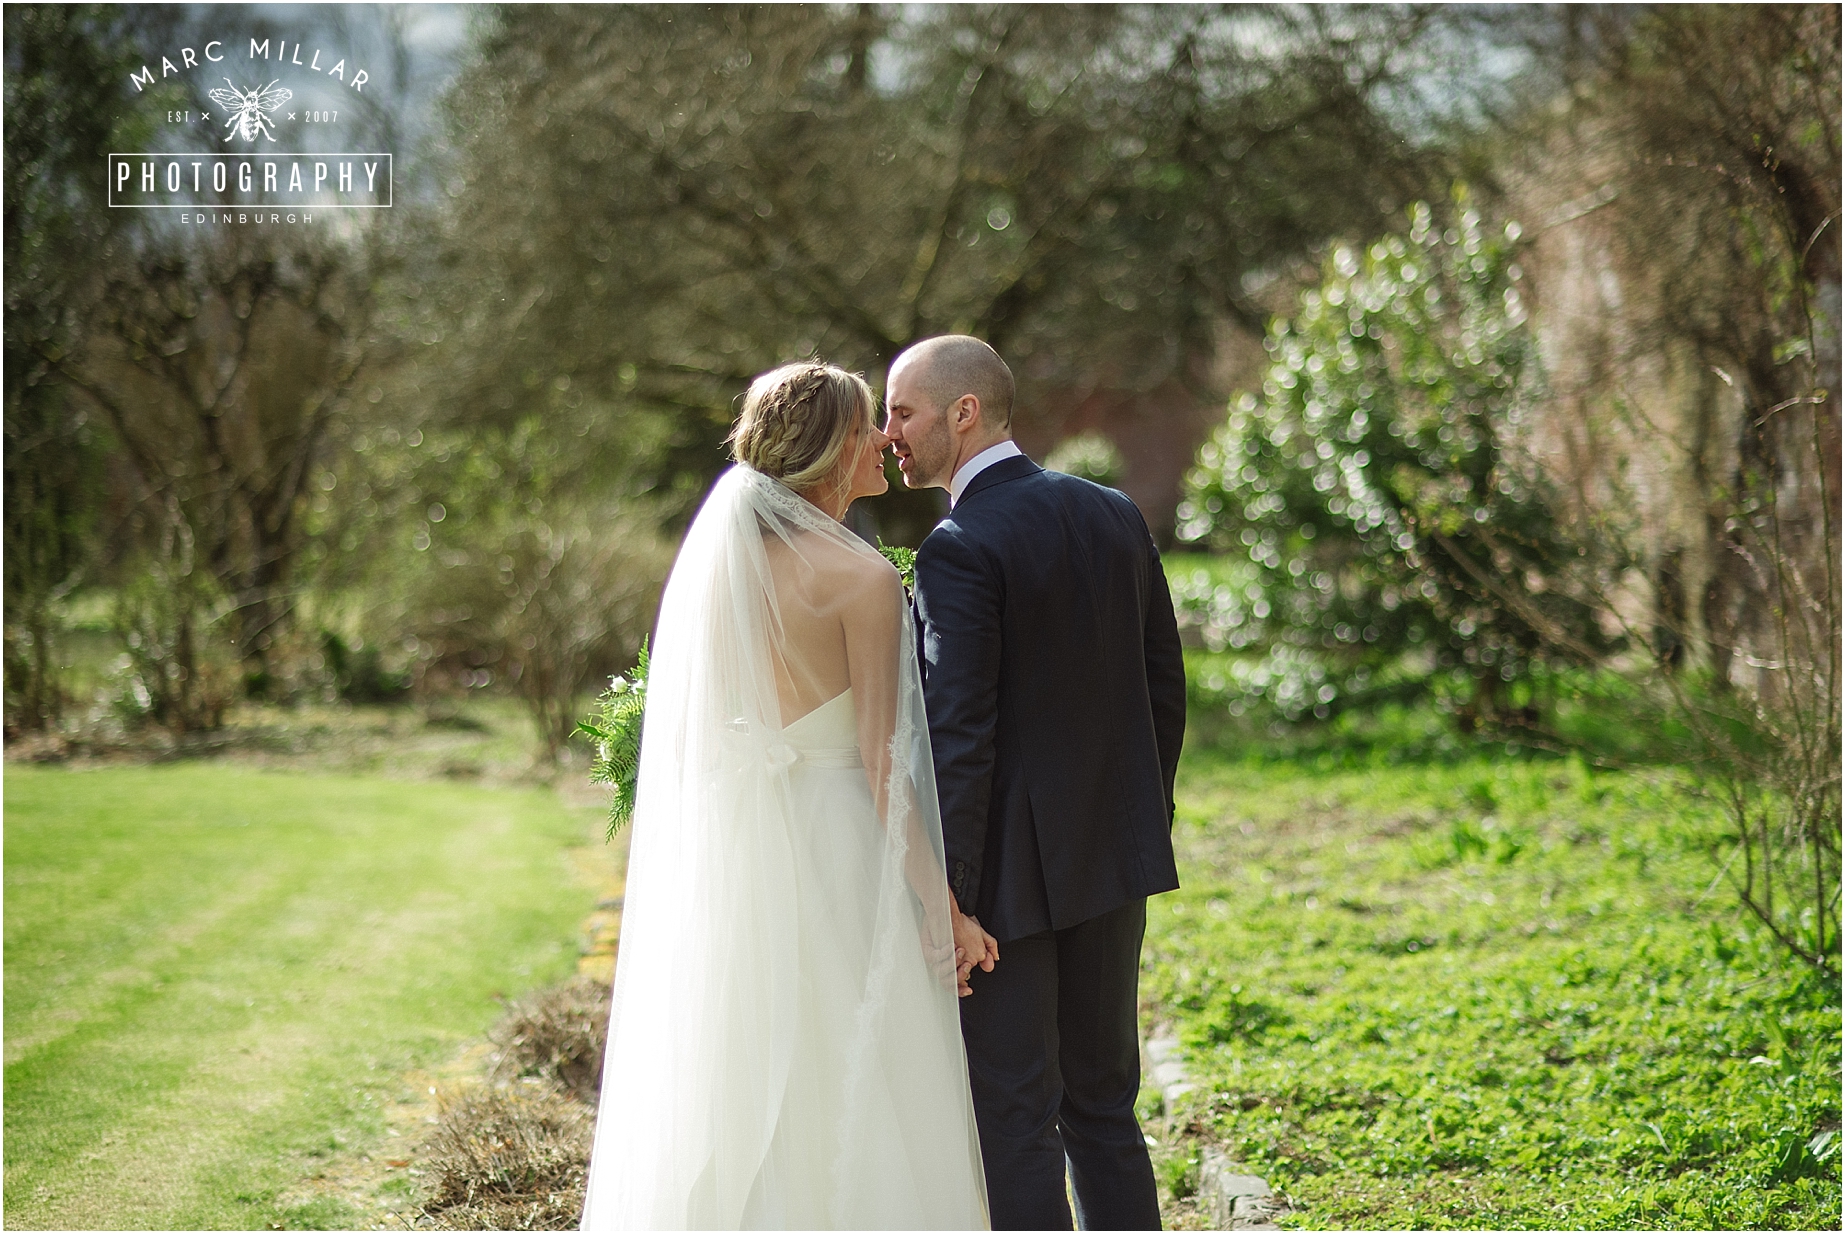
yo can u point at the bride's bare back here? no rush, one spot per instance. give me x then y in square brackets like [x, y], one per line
[840, 613]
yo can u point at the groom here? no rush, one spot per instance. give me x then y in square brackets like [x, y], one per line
[1056, 697]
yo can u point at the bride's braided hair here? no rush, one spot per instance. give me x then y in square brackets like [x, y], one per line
[798, 420]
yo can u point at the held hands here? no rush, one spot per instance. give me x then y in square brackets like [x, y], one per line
[973, 945]
[965, 945]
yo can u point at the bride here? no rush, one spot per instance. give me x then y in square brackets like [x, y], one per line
[784, 1049]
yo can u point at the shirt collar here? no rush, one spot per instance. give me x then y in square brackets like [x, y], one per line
[979, 463]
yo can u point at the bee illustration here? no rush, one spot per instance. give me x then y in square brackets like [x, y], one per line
[249, 112]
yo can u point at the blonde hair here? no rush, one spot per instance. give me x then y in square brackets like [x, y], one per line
[798, 420]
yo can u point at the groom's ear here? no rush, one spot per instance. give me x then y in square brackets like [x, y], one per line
[967, 412]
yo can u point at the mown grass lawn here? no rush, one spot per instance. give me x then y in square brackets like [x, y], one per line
[213, 973]
[1485, 993]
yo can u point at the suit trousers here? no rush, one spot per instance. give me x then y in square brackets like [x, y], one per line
[1053, 1052]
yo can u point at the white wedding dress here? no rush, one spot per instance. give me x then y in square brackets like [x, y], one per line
[784, 1047]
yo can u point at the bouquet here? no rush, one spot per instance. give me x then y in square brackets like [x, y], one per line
[616, 731]
[904, 559]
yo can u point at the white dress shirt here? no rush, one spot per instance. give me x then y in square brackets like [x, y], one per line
[979, 463]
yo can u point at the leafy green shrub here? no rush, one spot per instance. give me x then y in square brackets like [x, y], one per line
[177, 672]
[1373, 488]
[1089, 455]
[358, 672]
[542, 603]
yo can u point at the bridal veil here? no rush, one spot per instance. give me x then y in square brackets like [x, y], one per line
[784, 1045]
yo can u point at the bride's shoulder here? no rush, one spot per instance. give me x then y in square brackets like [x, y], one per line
[847, 568]
[874, 573]
[868, 581]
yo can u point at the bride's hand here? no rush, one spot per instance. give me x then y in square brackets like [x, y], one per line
[938, 945]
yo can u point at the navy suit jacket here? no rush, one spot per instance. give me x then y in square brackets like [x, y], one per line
[1055, 690]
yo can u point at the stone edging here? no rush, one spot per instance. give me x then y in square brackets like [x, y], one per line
[1229, 1199]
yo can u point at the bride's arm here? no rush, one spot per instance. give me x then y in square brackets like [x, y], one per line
[873, 624]
[874, 630]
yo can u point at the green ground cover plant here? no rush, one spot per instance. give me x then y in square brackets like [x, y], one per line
[216, 973]
[1481, 991]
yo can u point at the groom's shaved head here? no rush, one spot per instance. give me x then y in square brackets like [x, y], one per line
[952, 365]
